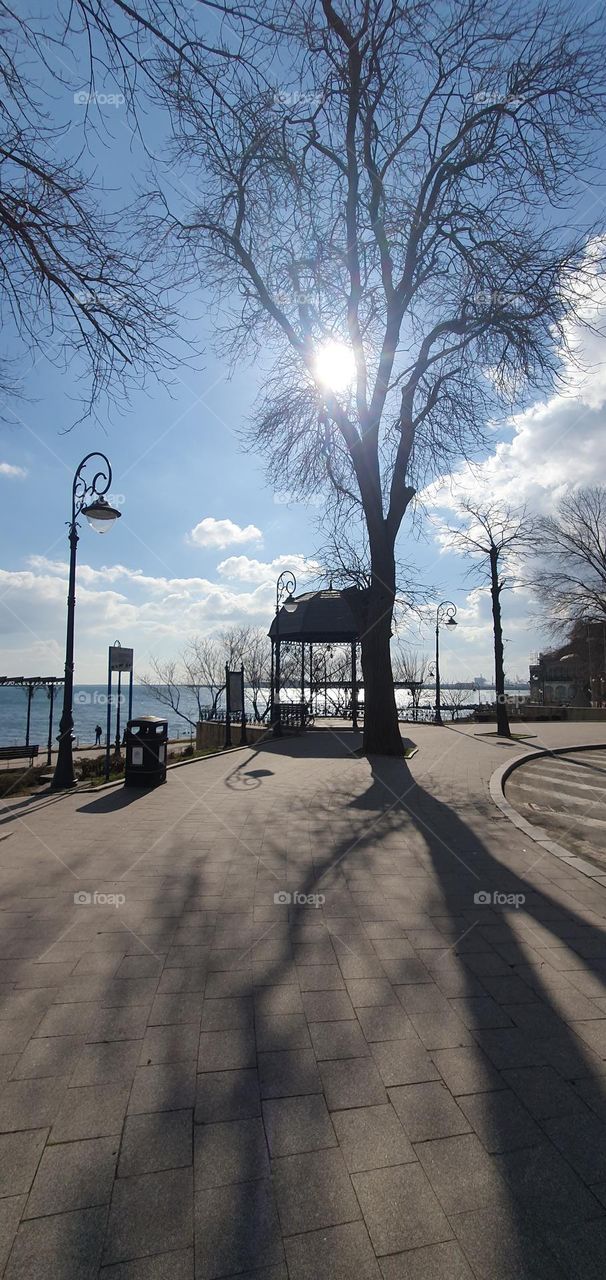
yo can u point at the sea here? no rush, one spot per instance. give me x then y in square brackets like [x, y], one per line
[90, 709]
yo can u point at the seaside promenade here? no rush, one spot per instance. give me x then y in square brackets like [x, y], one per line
[298, 1015]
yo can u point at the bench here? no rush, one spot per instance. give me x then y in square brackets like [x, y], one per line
[293, 715]
[19, 753]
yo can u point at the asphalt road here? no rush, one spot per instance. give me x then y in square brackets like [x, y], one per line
[566, 795]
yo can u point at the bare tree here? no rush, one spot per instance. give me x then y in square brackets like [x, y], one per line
[570, 577]
[455, 700]
[76, 280]
[412, 669]
[377, 180]
[493, 536]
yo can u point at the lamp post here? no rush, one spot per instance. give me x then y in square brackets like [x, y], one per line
[445, 613]
[285, 586]
[88, 499]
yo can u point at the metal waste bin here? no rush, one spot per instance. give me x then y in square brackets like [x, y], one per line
[146, 746]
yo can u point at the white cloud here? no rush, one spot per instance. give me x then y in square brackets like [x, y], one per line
[222, 533]
[244, 569]
[14, 473]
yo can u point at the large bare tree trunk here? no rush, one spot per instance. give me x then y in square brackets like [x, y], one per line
[381, 728]
[499, 669]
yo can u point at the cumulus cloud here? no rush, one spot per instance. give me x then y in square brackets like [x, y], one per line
[245, 569]
[222, 533]
[13, 473]
[554, 443]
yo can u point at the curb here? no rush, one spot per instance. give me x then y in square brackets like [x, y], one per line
[537, 834]
[177, 764]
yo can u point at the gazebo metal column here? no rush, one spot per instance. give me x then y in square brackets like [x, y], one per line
[354, 685]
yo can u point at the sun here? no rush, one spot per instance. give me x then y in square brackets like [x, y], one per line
[335, 366]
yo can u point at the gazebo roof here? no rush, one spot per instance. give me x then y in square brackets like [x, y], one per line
[323, 616]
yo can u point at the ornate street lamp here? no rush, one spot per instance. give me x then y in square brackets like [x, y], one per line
[445, 614]
[101, 516]
[286, 585]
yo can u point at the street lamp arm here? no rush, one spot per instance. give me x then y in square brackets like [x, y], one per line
[96, 487]
[445, 610]
[286, 585]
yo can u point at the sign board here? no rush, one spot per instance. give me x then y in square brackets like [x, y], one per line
[120, 659]
[235, 691]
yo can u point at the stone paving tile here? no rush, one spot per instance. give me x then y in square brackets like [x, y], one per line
[231, 1151]
[463, 1175]
[502, 1243]
[162, 1140]
[236, 1229]
[500, 1120]
[226, 1050]
[107, 1063]
[51, 1056]
[581, 1252]
[313, 1190]
[73, 1175]
[547, 1187]
[227, 1095]
[365, 992]
[66, 1246]
[19, 1158]
[351, 1082]
[466, 1070]
[121, 1023]
[68, 1019]
[92, 1111]
[150, 1213]
[281, 1031]
[327, 1006]
[385, 1022]
[371, 1138]
[543, 1092]
[293, 1125]
[481, 1011]
[581, 1139]
[163, 1086]
[30, 1104]
[183, 1006]
[320, 977]
[433, 1262]
[338, 1040]
[403, 1062]
[428, 1111]
[164, 1266]
[283, 1075]
[400, 1208]
[334, 1253]
[440, 1030]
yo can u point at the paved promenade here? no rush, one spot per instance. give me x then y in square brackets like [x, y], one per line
[301, 1016]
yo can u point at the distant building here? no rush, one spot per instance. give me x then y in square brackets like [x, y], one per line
[575, 674]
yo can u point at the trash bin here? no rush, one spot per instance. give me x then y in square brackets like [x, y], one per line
[146, 744]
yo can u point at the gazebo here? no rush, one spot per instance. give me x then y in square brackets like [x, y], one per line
[318, 618]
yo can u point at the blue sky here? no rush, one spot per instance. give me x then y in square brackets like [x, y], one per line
[203, 536]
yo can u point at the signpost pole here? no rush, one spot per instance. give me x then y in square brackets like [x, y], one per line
[243, 738]
[227, 742]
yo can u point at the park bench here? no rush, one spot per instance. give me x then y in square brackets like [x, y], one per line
[19, 753]
[295, 715]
